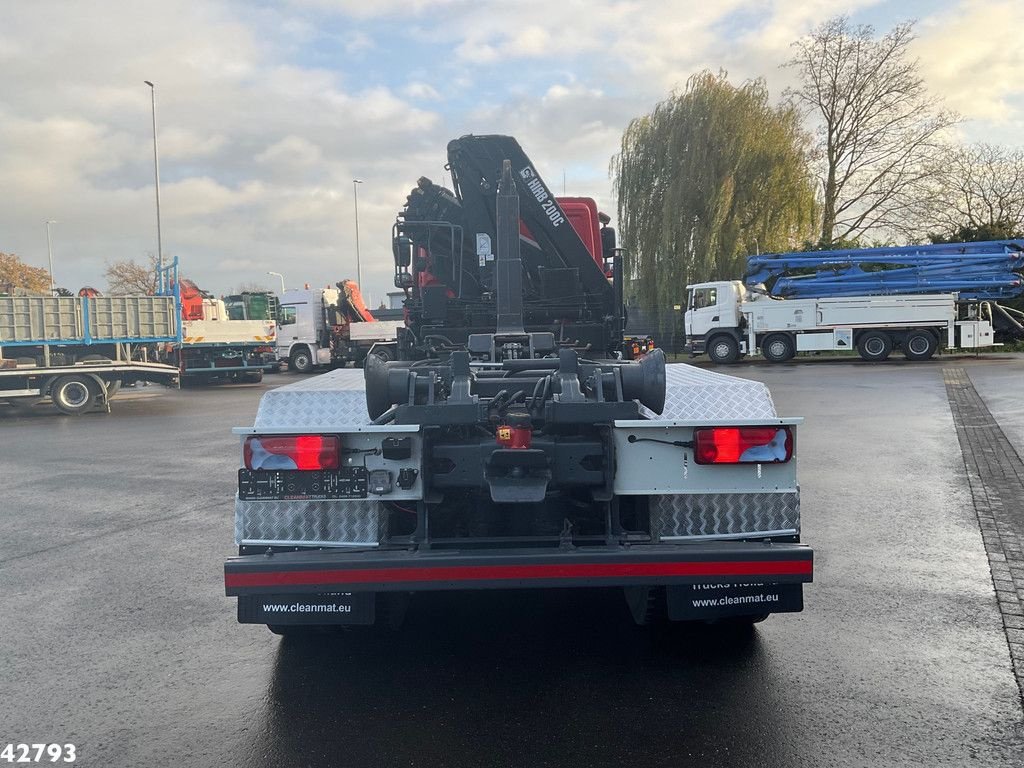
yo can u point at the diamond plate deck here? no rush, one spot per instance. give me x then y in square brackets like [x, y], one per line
[724, 514]
[693, 393]
[336, 399]
[310, 523]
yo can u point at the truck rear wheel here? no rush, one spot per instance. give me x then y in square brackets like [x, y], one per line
[74, 395]
[301, 361]
[874, 346]
[778, 348]
[919, 345]
[723, 350]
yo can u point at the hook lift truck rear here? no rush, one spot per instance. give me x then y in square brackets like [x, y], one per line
[510, 445]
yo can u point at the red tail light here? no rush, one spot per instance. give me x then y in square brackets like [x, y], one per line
[742, 445]
[292, 452]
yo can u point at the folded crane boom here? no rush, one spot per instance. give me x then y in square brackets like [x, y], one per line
[987, 270]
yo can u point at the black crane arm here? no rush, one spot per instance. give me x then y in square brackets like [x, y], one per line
[475, 163]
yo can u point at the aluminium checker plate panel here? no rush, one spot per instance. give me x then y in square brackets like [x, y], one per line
[721, 515]
[311, 522]
[695, 394]
[333, 401]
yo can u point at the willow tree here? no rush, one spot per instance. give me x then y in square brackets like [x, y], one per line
[713, 174]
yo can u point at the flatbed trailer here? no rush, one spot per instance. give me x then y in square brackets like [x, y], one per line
[240, 350]
[79, 351]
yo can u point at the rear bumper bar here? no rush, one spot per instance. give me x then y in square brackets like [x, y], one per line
[325, 571]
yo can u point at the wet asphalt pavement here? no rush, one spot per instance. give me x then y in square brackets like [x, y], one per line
[115, 634]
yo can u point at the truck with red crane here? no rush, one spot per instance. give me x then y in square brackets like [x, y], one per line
[510, 445]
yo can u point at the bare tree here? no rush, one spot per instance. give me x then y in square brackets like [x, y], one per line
[878, 127]
[126, 278]
[975, 192]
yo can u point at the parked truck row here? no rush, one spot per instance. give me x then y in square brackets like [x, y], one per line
[79, 351]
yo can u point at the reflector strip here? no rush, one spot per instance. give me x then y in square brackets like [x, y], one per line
[516, 572]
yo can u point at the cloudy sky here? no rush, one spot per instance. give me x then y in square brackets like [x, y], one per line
[268, 110]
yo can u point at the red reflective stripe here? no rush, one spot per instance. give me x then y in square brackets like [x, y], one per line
[512, 572]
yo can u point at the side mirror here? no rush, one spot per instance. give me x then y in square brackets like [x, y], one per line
[402, 248]
[608, 242]
[403, 280]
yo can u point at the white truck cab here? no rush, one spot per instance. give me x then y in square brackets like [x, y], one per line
[713, 307]
[301, 338]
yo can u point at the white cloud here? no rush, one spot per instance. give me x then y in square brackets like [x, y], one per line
[422, 91]
[358, 42]
[965, 57]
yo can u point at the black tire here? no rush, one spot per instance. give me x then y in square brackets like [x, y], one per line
[920, 345]
[723, 349]
[385, 354]
[301, 360]
[778, 348]
[113, 387]
[874, 346]
[253, 377]
[74, 395]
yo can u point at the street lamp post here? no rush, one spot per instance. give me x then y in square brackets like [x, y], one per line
[355, 197]
[156, 174]
[278, 275]
[49, 251]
